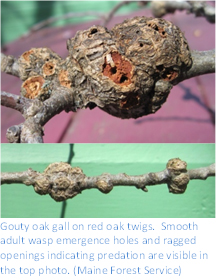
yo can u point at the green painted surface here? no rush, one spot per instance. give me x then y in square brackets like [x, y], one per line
[95, 159]
[17, 17]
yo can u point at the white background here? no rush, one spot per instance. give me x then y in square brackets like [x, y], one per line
[190, 269]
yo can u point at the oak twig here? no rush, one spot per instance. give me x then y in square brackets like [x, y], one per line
[199, 8]
[127, 72]
[9, 65]
[109, 16]
[203, 63]
[69, 15]
[61, 181]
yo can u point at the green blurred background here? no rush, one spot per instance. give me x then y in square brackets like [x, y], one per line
[17, 17]
[134, 159]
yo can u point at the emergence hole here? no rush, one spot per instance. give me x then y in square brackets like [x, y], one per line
[141, 44]
[113, 70]
[154, 26]
[163, 33]
[91, 105]
[94, 30]
[123, 79]
[159, 67]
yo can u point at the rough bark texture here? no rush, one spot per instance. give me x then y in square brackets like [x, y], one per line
[116, 70]
[122, 66]
[127, 71]
[61, 181]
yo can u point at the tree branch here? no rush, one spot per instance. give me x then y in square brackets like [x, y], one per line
[26, 177]
[61, 181]
[9, 65]
[14, 101]
[36, 113]
[199, 8]
[69, 15]
[202, 173]
[109, 16]
[203, 63]
[127, 72]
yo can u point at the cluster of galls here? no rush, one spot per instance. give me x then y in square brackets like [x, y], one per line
[127, 71]
[60, 181]
[41, 69]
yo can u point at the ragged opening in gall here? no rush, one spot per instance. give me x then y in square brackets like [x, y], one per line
[157, 28]
[49, 69]
[26, 55]
[167, 74]
[170, 75]
[33, 86]
[63, 79]
[117, 69]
